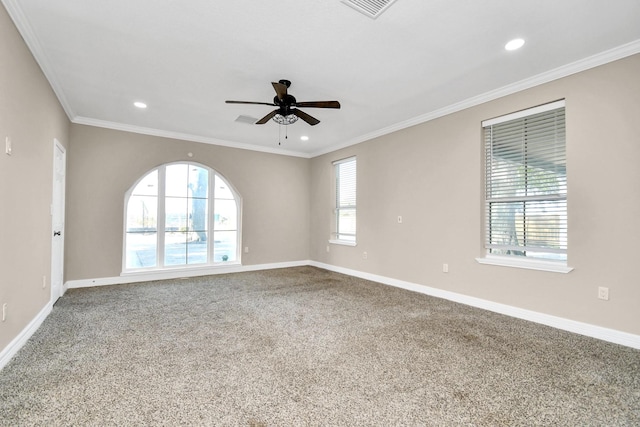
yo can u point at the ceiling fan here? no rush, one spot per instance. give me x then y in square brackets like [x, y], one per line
[287, 113]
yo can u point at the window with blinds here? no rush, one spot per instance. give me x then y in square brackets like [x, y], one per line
[526, 183]
[345, 199]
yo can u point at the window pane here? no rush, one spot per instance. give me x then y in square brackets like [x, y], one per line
[197, 210]
[545, 181]
[225, 246]
[177, 180]
[175, 248]
[148, 186]
[528, 228]
[346, 181]
[225, 215]
[545, 223]
[197, 249]
[142, 214]
[176, 218]
[506, 226]
[198, 182]
[141, 250]
[185, 248]
[222, 190]
[346, 221]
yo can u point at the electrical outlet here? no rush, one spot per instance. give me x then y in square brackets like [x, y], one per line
[603, 293]
[445, 268]
[399, 219]
[365, 255]
[328, 249]
[246, 249]
[44, 282]
[4, 311]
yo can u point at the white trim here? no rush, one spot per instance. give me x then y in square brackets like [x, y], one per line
[175, 273]
[593, 331]
[524, 113]
[343, 242]
[530, 264]
[20, 340]
[183, 136]
[593, 61]
[180, 270]
[38, 53]
[598, 332]
[345, 160]
[596, 60]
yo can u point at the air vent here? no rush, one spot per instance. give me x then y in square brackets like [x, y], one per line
[247, 119]
[371, 8]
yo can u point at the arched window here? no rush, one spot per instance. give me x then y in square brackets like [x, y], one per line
[181, 215]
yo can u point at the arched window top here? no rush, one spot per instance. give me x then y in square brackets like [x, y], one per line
[181, 215]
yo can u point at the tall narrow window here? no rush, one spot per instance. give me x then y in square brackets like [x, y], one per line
[526, 183]
[345, 172]
[169, 213]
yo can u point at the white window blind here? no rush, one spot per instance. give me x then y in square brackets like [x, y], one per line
[346, 199]
[526, 183]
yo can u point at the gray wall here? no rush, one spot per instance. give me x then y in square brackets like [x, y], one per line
[432, 175]
[31, 116]
[104, 164]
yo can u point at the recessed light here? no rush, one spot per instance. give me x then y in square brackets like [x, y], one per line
[514, 44]
[140, 104]
[304, 138]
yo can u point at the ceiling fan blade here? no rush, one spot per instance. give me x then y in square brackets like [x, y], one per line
[304, 116]
[268, 117]
[250, 102]
[281, 89]
[319, 104]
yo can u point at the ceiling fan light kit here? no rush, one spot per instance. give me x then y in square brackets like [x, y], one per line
[285, 120]
[287, 113]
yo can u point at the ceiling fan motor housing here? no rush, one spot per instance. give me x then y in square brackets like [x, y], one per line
[285, 103]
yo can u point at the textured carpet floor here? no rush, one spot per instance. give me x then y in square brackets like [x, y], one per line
[306, 347]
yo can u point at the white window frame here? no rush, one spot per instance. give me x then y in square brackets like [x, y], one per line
[160, 226]
[516, 260]
[336, 235]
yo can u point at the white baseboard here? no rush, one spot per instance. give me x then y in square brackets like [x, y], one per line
[14, 346]
[147, 276]
[605, 334]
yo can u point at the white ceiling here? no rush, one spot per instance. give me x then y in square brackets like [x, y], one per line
[418, 60]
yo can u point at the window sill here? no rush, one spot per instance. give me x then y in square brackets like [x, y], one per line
[180, 269]
[530, 264]
[343, 242]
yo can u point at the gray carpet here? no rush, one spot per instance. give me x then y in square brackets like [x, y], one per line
[306, 347]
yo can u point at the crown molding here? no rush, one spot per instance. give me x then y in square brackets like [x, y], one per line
[41, 58]
[37, 52]
[597, 60]
[602, 58]
[183, 136]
